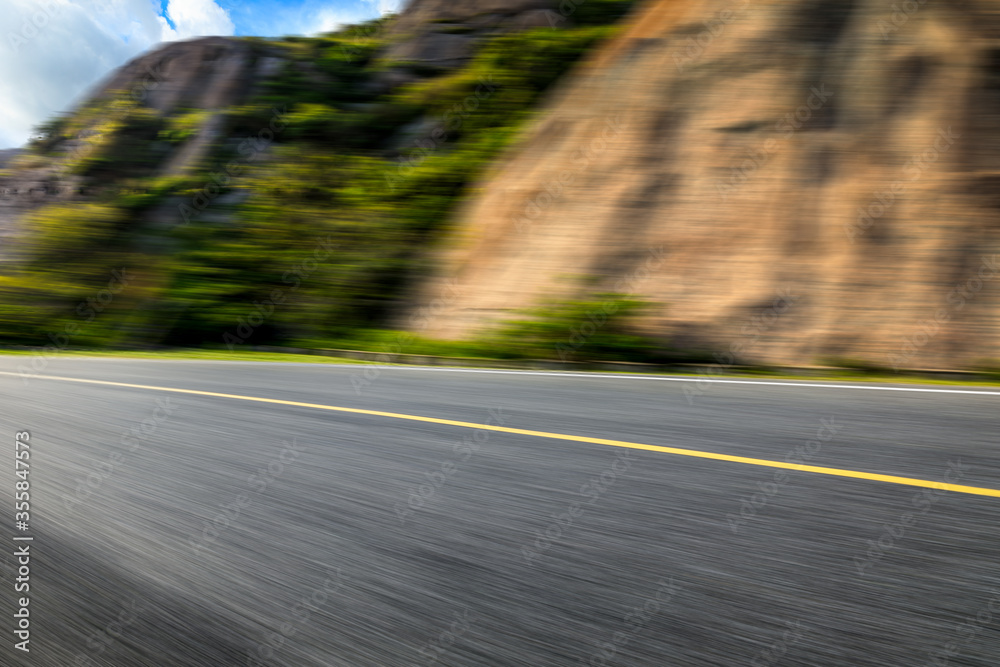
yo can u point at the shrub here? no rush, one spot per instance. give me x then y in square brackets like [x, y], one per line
[596, 328]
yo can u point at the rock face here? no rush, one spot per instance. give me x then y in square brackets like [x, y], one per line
[214, 73]
[209, 73]
[205, 73]
[7, 155]
[442, 33]
[420, 14]
[788, 181]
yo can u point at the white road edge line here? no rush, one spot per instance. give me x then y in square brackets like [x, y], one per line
[662, 378]
[606, 376]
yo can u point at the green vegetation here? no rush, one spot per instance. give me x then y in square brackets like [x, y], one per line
[338, 194]
[596, 328]
[195, 354]
[591, 329]
[985, 380]
[184, 126]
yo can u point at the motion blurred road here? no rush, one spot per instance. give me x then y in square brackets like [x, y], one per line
[191, 529]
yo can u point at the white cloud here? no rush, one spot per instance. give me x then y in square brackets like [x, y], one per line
[194, 18]
[329, 18]
[54, 51]
[385, 6]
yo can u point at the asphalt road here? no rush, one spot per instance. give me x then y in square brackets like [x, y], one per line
[190, 529]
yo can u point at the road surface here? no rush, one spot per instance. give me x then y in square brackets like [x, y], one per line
[404, 516]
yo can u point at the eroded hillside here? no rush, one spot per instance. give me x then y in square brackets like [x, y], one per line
[786, 181]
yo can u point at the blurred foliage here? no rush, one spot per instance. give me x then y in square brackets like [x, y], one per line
[321, 228]
[139, 195]
[332, 253]
[595, 328]
[600, 12]
[183, 126]
[126, 147]
[316, 122]
[73, 254]
[46, 136]
[392, 341]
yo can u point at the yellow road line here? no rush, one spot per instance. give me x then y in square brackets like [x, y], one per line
[837, 472]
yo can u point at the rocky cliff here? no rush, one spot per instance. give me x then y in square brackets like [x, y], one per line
[444, 33]
[215, 74]
[207, 74]
[217, 169]
[787, 181]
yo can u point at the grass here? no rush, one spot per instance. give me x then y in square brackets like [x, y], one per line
[762, 373]
[192, 354]
[402, 342]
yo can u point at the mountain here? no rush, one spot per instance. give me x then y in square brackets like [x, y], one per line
[784, 181]
[227, 174]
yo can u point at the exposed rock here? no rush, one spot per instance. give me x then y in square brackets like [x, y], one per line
[192, 152]
[391, 79]
[485, 21]
[835, 153]
[7, 155]
[419, 14]
[204, 73]
[209, 73]
[426, 30]
[536, 18]
[28, 189]
[434, 48]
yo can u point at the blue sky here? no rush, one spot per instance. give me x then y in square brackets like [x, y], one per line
[295, 17]
[285, 17]
[53, 51]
